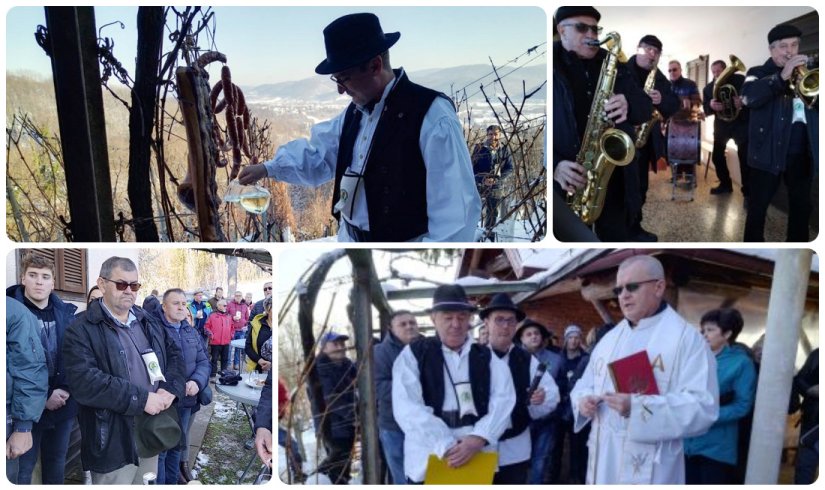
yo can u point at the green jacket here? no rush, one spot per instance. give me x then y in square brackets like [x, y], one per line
[27, 377]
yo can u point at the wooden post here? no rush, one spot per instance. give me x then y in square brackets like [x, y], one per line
[193, 96]
[79, 98]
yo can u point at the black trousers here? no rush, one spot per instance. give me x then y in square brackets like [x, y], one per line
[722, 133]
[222, 352]
[512, 474]
[337, 463]
[763, 186]
[700, 470]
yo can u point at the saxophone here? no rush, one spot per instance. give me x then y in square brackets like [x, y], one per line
[603, 146]
[643, 131]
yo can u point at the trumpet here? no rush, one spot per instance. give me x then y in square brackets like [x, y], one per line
[805, 84]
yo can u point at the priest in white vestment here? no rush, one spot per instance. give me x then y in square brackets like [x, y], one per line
[637, 439]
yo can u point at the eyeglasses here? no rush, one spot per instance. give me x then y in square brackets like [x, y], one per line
[631, 286]
[582, 28]
[501, 321]
[671, 70]
[650, 49]
[340, 80]
[267, 288]
[122, 285]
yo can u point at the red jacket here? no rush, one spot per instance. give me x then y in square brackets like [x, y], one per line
[232, 307]
[220, 326]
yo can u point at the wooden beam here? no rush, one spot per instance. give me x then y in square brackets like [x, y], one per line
[509, 287]
[79, 99]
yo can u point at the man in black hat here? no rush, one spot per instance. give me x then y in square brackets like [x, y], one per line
[450, 396]
[388, 153]
[640, 65]
[783, 136]
[577, 65]
[515, 446]
[533, 338]
[725, 130]
[335, 415]
[120, 363]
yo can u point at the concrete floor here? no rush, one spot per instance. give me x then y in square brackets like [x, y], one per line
[707, 218]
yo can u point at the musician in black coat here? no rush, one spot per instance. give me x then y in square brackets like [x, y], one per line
[724, 131]
[576, 69]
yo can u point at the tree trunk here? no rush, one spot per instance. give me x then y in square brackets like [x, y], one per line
[150, 21]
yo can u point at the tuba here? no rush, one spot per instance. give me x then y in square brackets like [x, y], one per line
[643, 131]
[805, 84]
[603, 146]
[725, 92]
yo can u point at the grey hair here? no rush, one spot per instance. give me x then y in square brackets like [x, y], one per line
[173, 291]
[650, 264]
[113, 263]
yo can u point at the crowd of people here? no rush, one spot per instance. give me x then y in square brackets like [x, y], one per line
[133, 377]
[774, 124]
[513, 391]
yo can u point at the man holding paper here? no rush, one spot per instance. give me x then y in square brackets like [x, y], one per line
[637, 438]
[450, 396]
[536, 392]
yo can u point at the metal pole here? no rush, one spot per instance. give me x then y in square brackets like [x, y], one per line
[785, 310]
[79, 98]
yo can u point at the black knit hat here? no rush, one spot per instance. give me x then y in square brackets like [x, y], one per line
[451, 297]
[502, 301]
[783, 31]
[651, 40]
[353, 39]
[566, 12]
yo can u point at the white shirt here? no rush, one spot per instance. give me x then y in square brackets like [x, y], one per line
[453, 203]
[426, 434]
[646, 447]
[518, 448]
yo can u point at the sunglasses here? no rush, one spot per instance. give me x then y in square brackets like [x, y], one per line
[582, 28]
[671, 70]
[269, 288]
[122, 285]
[631, 287]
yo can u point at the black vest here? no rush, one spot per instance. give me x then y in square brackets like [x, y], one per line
[431, 367]
[519, 362]
[395, 178]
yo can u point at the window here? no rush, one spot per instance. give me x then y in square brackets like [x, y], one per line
[70, 270]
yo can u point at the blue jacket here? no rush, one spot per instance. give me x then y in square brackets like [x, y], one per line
[26, 372]
[771, 109]
[64, 314]
[195, 362]
[338, 387]
[194, 306]
[737, 390]
[486, 165]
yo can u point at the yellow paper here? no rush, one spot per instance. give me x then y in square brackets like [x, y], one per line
[479, 471]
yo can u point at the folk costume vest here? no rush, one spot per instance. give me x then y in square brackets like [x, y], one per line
[519, 363]
[395, 176]
[432, 368]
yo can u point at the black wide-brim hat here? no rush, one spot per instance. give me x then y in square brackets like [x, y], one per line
[502, 301]
[353, 39]
[157, 433]
[545, 334]
[451, 297]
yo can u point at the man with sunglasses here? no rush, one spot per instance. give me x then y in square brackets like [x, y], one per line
[646, 59]
[577, 65]
[389, 153]
[50, 434]
[637, 438]
[515, 446]
[258, 307]
[685, 88]
[114, 352]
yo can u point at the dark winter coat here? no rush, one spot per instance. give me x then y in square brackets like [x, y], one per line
[263, 416]
[566, 139]
[64, 314]
[26, 372]
[771, 109]
[195, 361]
[98, 376]
[338, 387]
[384, 355]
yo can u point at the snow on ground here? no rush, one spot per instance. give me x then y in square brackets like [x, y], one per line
[310, 462]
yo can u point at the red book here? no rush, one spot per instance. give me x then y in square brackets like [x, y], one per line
[634, 375]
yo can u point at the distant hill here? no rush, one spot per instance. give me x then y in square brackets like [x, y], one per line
[319, 89]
